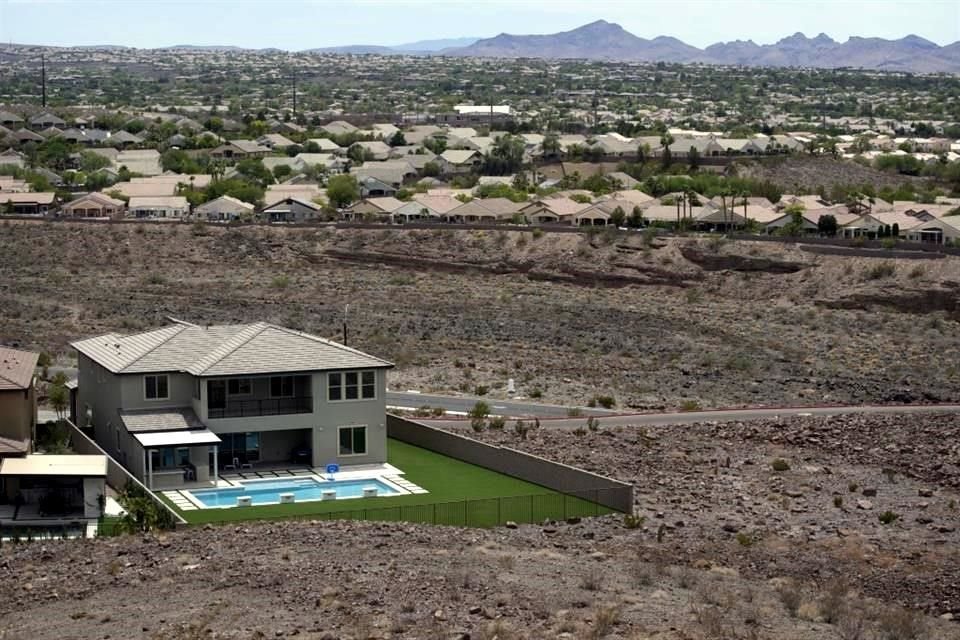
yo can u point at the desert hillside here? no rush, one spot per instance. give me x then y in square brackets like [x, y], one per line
[654, 323]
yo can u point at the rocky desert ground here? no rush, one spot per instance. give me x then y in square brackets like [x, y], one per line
[655, 323]
[853, 536]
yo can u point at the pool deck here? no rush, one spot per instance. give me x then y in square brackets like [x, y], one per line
[184, 499]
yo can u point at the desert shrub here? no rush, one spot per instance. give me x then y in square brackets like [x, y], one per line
[633, 521]
[536, 394]
[901, 624]
[791, 596]
[881, 270]
[593, 424]
[780, 465]
[574, 412]
[607, 402]
[438, 411]
[690, 405]
[833, 603]
[497, 423]
[745, 539]
[537, 233]
[481, 390]
[917, 272]
[888, 517]
[478, 415]
[838, 501]
[579, 432]
[520, 428]
[604, 619]
[592, 580]
[280, 282]
[853, 486]
[888, 243]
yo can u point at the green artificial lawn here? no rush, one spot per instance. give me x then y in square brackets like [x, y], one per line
[459, 494]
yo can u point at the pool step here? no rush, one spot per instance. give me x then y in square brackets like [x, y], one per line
[179, 500]
[405, 484]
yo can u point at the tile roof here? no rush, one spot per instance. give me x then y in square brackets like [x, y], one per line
[222, 350]
[143, 420]
[16, 368]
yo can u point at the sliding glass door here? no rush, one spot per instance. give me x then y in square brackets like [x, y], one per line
[244, 447]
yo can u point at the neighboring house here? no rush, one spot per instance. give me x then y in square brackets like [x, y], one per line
[472, 211]
[29, 204]
[375, 150]
[371, 187]
[93, 205]
[10, 120]
[292, 210]
[224, 208]
[175, 207]
[376, 208]
[338, 128]
[239, 150]
[186, 401]
[146, 162]
[275, 141]
[553, 210]
[47, 120]
[13, 158]
[944, 230]
[53, 491]
[456, 161]
[18, 400]
[328, 146]
[23, 136]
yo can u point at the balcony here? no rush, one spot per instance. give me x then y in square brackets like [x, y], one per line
[265, 407]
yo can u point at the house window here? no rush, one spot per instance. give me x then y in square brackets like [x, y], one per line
[156, 387]
[353, 441]
[281, 387]
[239, 386]
[352, 385]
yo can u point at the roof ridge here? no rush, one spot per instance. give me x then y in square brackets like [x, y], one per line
[241, 338]
[331, 343]
[154, 347]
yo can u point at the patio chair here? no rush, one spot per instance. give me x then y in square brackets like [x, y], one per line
[246, 465]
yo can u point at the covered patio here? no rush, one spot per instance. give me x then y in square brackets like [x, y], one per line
[52, 490]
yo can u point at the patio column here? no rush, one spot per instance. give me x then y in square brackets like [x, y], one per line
[149, 459]
[216, 464]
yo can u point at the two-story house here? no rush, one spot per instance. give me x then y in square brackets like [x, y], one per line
[183, 402]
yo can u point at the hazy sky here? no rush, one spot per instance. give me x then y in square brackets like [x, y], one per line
[304, 24]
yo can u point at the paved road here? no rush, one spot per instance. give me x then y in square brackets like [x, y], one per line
[463, 404]
[654, 419]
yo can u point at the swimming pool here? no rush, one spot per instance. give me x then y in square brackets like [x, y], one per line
[263, 492]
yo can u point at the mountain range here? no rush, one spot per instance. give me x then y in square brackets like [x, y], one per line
[421, 47]
[602, 40]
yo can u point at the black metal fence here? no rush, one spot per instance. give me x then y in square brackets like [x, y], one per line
[266, 407]
[481, 512]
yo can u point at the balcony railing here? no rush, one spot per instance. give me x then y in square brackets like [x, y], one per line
[267, 407]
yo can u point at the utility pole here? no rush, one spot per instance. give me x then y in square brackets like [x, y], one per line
[294, 94]
[43, 77]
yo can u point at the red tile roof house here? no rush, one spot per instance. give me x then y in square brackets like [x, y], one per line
[18, 400]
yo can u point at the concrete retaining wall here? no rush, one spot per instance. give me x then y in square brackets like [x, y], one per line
[553, 475]
[117, 476]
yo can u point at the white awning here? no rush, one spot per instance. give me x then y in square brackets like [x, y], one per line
[183, 438]
[55, 465]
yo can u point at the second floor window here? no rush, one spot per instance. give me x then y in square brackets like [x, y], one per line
[281, 387]
[352, 385]
[239, 386]
[156, 387]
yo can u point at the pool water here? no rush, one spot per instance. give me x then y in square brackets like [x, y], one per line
[303, 489]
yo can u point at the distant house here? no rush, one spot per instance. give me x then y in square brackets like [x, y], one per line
[377, 208]
[12, 158]
[553, 210]
[29, 204]
[93, 205]
[239, 150]
[476, 210]
[338, 128]
[375, 150]
[45, 121]
[23, 136]
[292, 210]
[146, 162]
[175, 207]
[224, 208]
[371, 187]
[944, 230]
[275, 141]
[10, 120]
[327, 145]
[458, 161]
[123, 139]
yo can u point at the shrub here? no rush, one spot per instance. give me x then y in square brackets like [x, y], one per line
[888, 243]
[791, 596]
[536, 394]
[574, 412]
[901, 624]
[853, 486]
[607, 402]
[478, 415]
[537, 233]
[497, 422]
[281, 282]
[780, 465]
[593, 424]
[633, 521]
[745, 539]
[888, 517]
[579, 432]
[690, 405]
[521, 428]
[482, 390]
[838, 501]
[882, 270]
